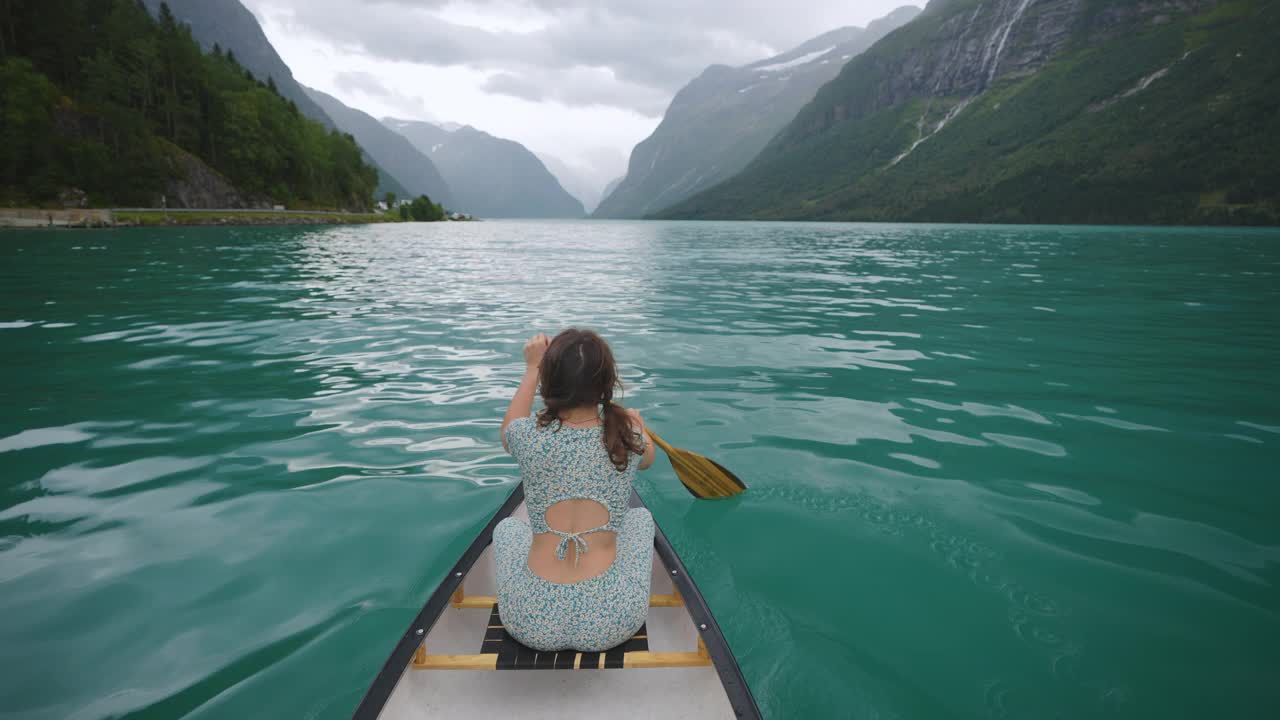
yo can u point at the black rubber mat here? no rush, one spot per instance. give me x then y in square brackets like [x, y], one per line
[514, 656]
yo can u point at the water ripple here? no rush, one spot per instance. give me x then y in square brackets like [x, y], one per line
[1002, 472]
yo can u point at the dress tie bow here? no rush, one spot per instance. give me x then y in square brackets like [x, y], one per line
[563, 548]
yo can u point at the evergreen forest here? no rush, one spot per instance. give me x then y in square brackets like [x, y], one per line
[105, 103]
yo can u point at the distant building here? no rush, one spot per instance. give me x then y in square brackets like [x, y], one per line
[382, 206]
[278, 208]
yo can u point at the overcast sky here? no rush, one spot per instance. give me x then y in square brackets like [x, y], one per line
[579, 79]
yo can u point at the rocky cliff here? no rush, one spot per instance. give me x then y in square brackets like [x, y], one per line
[717, 123]
[193, 184]
[1036, 110]
[962, 48]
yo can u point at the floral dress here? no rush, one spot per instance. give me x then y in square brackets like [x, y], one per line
[601, 612]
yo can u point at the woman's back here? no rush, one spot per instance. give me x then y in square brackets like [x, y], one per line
[572, 490]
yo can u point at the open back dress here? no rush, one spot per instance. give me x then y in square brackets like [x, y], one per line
[559, 463]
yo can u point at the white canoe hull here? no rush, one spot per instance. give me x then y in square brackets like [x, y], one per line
[403, 691]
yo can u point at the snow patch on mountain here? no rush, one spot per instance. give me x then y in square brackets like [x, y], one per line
[797, 62]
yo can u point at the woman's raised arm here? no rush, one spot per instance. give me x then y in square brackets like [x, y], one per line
[522, 403]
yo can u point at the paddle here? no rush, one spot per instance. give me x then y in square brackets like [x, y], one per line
[703, 477]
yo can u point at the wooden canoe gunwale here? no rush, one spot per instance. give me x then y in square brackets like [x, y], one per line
[726, 665]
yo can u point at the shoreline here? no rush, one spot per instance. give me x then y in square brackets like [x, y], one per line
[31, 218]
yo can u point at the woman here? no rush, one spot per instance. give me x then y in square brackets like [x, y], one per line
[576, 577]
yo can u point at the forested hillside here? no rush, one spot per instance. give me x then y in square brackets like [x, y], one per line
[1042, 111]
[104, 103]
[229, 25]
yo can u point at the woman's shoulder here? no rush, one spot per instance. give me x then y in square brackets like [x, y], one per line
[520, 429]
[528, 421]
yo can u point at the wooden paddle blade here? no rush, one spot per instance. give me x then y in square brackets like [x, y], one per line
[702, 477]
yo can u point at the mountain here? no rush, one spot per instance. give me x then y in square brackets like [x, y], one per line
[575, 180]
[722, 119]
[1070, 111]
[115, 107]
[413, 169]
[490, 177]
[231, 26]
[613, 185]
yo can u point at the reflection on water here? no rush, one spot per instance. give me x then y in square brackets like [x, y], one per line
[995, 472]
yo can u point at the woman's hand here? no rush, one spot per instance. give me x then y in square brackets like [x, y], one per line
[637, 422]
[535, 349]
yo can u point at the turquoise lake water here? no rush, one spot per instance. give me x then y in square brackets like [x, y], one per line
[995, 472]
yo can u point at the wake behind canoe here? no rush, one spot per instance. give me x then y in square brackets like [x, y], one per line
[455, 656]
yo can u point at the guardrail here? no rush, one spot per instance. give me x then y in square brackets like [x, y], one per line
[242, 211]
[36, 217]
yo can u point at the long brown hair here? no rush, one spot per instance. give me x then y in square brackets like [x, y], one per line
[578, 370]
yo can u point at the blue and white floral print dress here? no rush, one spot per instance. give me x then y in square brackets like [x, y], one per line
[596, 614]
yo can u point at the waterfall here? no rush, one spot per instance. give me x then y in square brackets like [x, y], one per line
[990, 64]
[1003, 33]
[936, 129]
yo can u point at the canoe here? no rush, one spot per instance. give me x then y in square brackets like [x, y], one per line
[454, 658]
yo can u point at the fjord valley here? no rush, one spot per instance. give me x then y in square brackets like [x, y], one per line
[1036, 111]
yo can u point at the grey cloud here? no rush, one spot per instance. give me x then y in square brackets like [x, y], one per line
[508, 84]
[655, 54]
[355, 82]
[777, 23]
[648, 47]
[361, 82]
[578, 87]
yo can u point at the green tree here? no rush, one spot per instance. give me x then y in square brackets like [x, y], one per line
[423, 210]
[26, 132]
